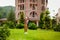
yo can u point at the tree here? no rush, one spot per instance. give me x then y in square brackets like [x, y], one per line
[42, 17]
[11, 19]
[1, 12]
[48, 20]
[11, 16]
[45, 20]
[0, 16]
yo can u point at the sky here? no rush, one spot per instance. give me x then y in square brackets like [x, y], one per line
[52, 5]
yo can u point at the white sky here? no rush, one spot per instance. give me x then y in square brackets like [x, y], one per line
[52, 4]
[7, 2]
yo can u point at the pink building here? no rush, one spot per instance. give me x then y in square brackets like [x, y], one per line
[30, 8]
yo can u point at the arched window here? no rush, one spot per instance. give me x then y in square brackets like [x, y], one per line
[20, 14]
[33, 14]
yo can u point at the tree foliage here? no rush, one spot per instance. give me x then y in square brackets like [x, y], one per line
[0, 16]
[5, 10]
[11, 16]
[4, 32]
[45, 20]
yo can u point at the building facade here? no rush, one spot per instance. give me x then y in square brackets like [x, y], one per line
[58, 16]
[31, 8]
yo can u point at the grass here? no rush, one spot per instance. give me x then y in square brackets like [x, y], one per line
[18, 34]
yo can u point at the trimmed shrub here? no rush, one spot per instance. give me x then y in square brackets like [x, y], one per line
[57, 28]
[32, 26]
[4, 32]
[20, 26]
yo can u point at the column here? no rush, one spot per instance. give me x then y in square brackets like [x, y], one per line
[37, 23]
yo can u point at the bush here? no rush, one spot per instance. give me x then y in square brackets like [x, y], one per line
[4, 32]
[11, 24]
[47, 25]
[21, 25]
[57, 28]
[32, 26]
[41, 25]
[54, 23]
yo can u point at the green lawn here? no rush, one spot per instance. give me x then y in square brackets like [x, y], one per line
[18, 34]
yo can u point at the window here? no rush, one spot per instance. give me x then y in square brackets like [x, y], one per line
[33, 6]
[46, 1]
[33, 14]
[21, 15]
[43, 1]
[30, 0]
[21, 7]
[33, 0]
[21, 1]
[43, 8]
